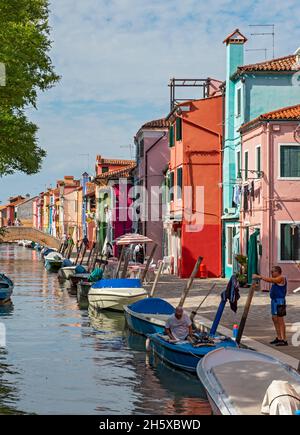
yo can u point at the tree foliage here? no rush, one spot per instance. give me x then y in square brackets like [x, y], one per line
[24, 50]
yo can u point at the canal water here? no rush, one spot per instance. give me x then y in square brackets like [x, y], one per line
[59, 359]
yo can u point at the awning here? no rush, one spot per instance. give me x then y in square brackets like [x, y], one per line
[130, 239]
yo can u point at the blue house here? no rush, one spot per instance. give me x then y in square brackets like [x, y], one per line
[250, 91]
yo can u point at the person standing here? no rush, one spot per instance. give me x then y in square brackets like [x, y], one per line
[278, 303]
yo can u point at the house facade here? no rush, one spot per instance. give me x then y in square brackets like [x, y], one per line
[271, 144]
[152, 158]
[250, 91]
[193, 225]
[113, 200]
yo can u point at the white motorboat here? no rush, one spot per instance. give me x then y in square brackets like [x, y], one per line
[54, 261]
[114, 294]
[237, 380]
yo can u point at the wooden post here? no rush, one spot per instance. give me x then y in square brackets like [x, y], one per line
[159, 272]
[246, 312]
[144, 274]
[190, 282]
[83, 254]
[195, 312]
[125, 267]
[90, 254]
[120, 262]
[78, 253]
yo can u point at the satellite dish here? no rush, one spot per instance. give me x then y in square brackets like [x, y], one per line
[297, 134]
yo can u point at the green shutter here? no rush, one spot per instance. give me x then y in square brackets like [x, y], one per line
[171, 136]
[179, 183]
[178, 129]
[290, 161]
[246, 165]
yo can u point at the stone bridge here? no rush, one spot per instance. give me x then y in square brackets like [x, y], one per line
[12, 234]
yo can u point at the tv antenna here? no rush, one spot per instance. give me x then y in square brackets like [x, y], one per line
[265, 50]
[271, 32]
[130, 147]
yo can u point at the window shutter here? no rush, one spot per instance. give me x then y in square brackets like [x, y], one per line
[178, 129]
[171, 136]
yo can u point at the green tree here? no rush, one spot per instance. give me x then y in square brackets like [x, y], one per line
[24, 51]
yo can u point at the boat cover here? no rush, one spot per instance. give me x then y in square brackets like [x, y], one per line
[152, 306]
[118, 283]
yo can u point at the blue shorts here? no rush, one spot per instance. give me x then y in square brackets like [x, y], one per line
[278, 303]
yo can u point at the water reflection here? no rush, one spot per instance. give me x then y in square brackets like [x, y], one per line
[60, 359]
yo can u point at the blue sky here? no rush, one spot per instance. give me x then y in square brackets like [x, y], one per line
[116, 58]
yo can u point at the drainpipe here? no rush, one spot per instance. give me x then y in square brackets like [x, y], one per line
[270, 196]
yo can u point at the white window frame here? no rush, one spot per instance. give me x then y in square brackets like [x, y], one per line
[244, 164]
[239, 88]
[279, 161]
[256, 160]
[176, 184]
[279, 241]
[238, 162]
[232, 226]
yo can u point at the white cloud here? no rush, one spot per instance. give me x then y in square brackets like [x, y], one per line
[116, 57]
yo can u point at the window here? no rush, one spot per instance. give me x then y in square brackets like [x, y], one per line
[178, 129]
[246, 165]
[105, 169]
[171, 136]
[238, 162]
[179, 183]
[239, 102]
[289, 242]
[290, 161]
[258, 159]
[171, 186]
[141, 148]
[231, 232]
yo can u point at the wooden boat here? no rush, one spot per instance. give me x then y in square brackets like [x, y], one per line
[236, 380]
[182, 354]
[148, 316]
[6, 289]
[54, 261]
[114, 294]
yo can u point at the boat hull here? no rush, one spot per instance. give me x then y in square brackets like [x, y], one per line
[6, 289]
[183, 356]
[53, 266]
[66, 272]
[106, 300]
[142, 326]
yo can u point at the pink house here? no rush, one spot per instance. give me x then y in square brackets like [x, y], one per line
[270, 200]
[152, 156]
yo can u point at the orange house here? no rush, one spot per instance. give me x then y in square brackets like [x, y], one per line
[193, 222]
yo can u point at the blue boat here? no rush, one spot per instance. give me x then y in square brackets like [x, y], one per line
[148, 316]
[6, 289]
[184, 355]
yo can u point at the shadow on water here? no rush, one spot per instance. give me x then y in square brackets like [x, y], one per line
[63, 360]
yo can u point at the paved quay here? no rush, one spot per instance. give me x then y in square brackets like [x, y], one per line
[259, 330]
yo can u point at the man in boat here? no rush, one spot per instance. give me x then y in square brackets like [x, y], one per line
[278, 303]
[179, 325]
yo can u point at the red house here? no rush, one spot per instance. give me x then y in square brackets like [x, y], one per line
[193, 222]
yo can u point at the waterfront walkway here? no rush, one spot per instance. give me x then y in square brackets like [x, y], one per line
[259, 329]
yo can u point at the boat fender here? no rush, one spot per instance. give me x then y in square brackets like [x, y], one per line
[148, 345]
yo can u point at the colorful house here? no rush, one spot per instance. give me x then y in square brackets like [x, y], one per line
[250, 91]
[152, 158]
[24, 212]
[270, 203]
[8, 212]
[113, 199]
[193, 228]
